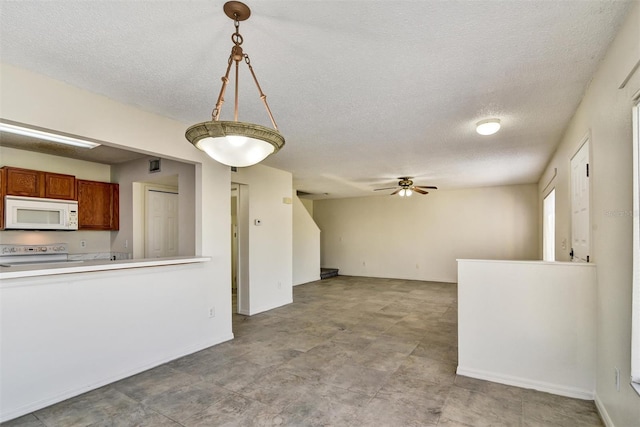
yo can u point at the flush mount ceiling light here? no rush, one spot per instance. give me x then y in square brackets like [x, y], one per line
[488, 127]
[235, 143]
[46, 135]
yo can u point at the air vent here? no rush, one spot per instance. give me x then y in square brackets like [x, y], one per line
[154, 165]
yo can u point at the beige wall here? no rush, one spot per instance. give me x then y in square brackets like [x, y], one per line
[138, 171]
[421, 237]
[605, 115]
[308, 205]
[270, 244]
[306, 245]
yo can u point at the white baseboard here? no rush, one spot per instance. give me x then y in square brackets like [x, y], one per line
[67, 394]
[269, 307]
[559, 389]
[603, 412]
[307, 280]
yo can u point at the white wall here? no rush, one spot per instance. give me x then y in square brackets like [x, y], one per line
[63, 335]
[306, 245]
[605, 113]
[270, 244]
[420, 237]
[97, 241]
[38, 100]
[138, 171]
[528, 324]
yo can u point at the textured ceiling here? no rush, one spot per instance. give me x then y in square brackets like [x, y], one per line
[363, 91]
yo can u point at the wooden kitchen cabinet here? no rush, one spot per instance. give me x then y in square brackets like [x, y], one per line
[33, 183]
[57, 186]
[98, 205]
[2, 193]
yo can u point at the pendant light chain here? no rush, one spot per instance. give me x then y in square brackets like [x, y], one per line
[237, 55]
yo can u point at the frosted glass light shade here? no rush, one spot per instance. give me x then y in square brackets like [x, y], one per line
[235, 143]
[488, 127]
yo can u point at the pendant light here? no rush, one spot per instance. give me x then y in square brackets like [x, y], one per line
[236, 143]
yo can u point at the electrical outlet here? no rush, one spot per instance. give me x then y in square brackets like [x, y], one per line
[126, 243]
[212, 312]
[279, 285]
[83, 243]
[617, 379]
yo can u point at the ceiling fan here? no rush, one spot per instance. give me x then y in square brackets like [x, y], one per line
[406, 187]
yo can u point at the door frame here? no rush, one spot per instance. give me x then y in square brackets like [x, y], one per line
[545, 236]
[243, 286]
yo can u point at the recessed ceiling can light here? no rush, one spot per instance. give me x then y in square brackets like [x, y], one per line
[488, 127]
[46, 135]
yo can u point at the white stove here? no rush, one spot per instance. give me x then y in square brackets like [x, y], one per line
[12, 255]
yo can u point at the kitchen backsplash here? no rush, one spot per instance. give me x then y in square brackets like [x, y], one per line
[100, 255]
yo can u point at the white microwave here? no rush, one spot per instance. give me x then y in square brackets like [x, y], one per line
[32, 213]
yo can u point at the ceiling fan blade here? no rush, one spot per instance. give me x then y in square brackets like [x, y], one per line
[387, 188]
[430, 187]
[396, 192]
[417, 190]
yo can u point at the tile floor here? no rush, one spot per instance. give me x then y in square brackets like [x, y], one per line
[350, 351]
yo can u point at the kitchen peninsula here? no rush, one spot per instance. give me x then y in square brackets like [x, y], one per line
[69, 328]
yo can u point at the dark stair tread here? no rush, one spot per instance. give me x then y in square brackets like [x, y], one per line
[326, 273]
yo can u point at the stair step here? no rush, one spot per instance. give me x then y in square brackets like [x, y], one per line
[325, 273]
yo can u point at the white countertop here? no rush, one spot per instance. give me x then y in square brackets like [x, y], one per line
[541, 262]
[15, 271]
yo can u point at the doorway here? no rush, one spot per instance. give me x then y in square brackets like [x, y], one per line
[549, 227]
[234, 248]
[161, 231]
[240, 249]
[580, 204]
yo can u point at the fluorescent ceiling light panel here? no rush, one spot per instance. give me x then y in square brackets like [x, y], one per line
[48, 136]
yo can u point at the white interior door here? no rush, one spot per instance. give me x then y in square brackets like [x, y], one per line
[580, 213]
[162, 224]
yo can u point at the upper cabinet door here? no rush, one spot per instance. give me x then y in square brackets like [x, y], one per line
[58, 186]
[98, 205]
[24, 182]
[33, 183]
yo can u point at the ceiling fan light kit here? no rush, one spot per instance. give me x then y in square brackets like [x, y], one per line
[406, 188]
[236, 143]
[488, 127]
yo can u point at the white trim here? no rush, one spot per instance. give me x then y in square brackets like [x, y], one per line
[264, 308]
[635, 308]
[558, 389]
[549, 226]
[602, 410]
